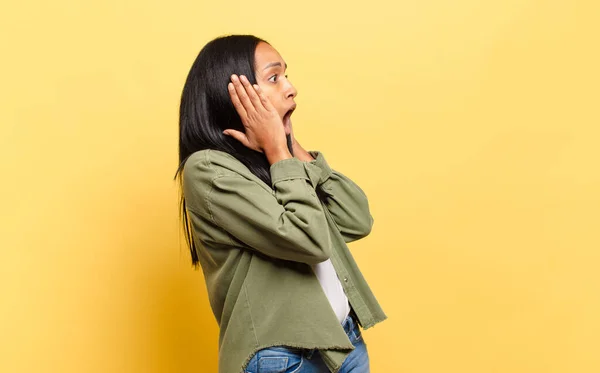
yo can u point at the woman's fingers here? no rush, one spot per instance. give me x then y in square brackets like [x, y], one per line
[256, 102]
[240, 90]
[239, 107]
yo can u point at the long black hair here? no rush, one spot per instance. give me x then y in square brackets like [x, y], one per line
[206, 111]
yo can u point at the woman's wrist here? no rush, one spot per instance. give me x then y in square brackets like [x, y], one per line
[277, 154]
[300, 153]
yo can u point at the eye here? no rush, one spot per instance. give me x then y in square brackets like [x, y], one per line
[273, 79]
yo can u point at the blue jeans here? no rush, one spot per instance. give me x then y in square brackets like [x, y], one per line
[280, 359]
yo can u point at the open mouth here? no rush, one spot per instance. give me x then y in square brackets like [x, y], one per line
[288, 114]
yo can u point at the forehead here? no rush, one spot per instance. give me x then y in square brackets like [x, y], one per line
[266, 54]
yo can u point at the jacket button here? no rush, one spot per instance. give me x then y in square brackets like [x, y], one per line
[345, 279]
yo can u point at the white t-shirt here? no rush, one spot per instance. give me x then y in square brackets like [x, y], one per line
[333, 288]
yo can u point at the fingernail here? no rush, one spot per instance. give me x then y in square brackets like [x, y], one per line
[256, 87]
[234, 77]
[243, 77]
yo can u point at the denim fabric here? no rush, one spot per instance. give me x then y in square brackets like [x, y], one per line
[281, 359]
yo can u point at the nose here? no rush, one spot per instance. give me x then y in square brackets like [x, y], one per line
[290, 91]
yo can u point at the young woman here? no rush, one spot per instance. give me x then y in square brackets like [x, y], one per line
[269, 221]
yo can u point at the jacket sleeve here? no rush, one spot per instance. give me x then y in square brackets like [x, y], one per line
[286, 223]
[344, 199]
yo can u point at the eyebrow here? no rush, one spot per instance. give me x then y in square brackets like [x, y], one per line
[274, 64]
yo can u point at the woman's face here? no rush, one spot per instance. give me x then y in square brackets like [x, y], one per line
[270, 76]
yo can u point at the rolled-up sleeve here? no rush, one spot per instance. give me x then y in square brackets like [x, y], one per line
[344, 199]
[287, 223]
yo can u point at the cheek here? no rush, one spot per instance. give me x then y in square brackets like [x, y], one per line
[271, 94]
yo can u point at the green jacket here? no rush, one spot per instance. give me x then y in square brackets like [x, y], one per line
[256, 243]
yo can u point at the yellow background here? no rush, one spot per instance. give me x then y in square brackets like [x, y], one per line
[472, 125]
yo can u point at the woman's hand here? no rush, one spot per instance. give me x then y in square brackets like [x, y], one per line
[263, 127]
[299, 151]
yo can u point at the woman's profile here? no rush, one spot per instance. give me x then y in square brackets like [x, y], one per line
[268, 221]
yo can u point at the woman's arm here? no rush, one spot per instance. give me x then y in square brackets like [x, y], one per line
[288, 223]
[345, 201]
